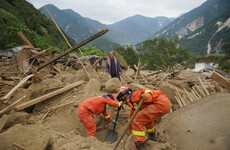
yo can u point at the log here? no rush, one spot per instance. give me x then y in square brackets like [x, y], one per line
[16, 87]
[67, 63]
[3, 120]
[142, 67]
[206, 91]
[11, 106]
[221, 80]
[27, 41]
[138, 70]
[47, 96]
[19, 146]
[72, 49]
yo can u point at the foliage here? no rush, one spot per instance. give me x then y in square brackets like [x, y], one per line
[163, 53]
[121, 59]
[226, 48]
[129, 54]
[19, 15]
[224, 63]
[90, 50]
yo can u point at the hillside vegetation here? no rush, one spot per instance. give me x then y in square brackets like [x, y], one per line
[19, 15]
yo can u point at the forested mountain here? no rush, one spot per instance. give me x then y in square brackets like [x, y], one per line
[19, 15]
[203, 30]
[195, 19]
[128, 31]
[209, 38]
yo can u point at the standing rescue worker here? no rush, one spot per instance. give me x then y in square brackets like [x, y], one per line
[112, 66]
[96, 105]
[155, 105]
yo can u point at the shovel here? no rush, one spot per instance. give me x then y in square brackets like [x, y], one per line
[112, 134]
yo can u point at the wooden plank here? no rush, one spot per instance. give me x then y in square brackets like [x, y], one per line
[6, 83]
[138, 69]
[7, 96]
[194, 89]
[221, 80]
[142, 67]
[209, 85]
[178, 101]
[47, 96]
[189, 96]
[206, 91]
[180, 97]
[194, 95]
[97, 61]
[11, 106]
[187, 101]
[200, 91]
[3, 121]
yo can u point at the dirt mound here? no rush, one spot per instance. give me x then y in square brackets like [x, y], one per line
[201, 125]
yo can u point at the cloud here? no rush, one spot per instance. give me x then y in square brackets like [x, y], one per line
[110, 11]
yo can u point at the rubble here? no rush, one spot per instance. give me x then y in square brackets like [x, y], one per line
[112, 85]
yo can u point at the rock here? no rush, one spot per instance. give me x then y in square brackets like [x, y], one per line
[112, 85]
[104, 77]
[81, 75]
[92, 88]
[123, 81]
[190, 75]
[30, 137]
[180, 83]
[31, 120]
[15, 118]
[129, 72]
[67, 77]
[136, 86]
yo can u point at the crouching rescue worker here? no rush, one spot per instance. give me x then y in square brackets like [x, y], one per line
[96, 105]
[155, 105]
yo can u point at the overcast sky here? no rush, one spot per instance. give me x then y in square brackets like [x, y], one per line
[110, 11]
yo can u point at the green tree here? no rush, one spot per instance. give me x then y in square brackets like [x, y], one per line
[226, 48]
[129, 54]
[163, 53]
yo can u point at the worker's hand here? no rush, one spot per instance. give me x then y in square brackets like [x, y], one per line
[114, 122]
[146, 97]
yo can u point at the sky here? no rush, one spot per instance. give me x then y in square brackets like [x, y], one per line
[110, 11]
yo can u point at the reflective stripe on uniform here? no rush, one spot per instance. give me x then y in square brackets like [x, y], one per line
[148, 91]
[139, 133]
[106, 117]
[119, 104]
[150, 130]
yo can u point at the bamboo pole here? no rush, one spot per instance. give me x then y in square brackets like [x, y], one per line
[61, 31]
[19, 146]
[178, 94]
[189, 96]
[200, 91]
[194, 89]
[7, 96]
[209, 85]
[11, 106]
[27, 41]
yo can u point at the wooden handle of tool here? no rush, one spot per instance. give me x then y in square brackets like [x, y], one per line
[131, 120]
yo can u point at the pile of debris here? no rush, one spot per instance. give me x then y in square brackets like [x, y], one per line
[40, 93]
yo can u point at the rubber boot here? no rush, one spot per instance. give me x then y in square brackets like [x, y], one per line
[140, 146]
[153, 136]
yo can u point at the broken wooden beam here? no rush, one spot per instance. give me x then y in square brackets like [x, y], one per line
[200, 91]
[142, 67]
[178, 101]
[7, 96]
[11, 106]
[97, 61]
[221, 80]
[47, 96]
[73, 48]
[138, 69]
[27, 42]
[6, 83]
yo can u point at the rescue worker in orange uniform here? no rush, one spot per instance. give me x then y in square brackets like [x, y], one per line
[155, 105]
[96, 105]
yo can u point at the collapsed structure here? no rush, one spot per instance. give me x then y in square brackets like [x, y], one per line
[40, 93]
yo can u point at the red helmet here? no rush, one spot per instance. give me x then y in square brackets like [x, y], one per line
[122, 91]
[111, 96]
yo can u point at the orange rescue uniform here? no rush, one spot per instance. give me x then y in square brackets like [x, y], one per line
[155, 105]
[94, 105]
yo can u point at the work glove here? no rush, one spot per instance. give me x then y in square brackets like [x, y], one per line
[146, 97]
[114, 122]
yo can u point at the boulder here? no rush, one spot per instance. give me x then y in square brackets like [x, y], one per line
[129, 72]
[30, 137]
[104, 77]
[16, 118]
[112, 85]
[136, 86]
[92, 88]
